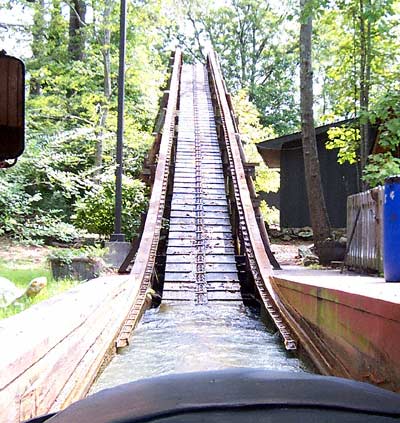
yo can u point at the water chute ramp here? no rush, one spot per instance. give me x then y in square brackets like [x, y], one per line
[204, 239]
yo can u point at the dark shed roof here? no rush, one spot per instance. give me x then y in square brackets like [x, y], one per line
[277, 143]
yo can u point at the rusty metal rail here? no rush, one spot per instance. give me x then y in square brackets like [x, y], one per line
[200, 271]
[251, 239]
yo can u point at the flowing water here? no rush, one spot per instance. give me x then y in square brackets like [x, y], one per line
[181, 337]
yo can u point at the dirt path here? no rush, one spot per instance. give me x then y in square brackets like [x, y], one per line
[12, 252]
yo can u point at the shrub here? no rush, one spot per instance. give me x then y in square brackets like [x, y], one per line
[95, 211]
[66, 255]
[379, 167]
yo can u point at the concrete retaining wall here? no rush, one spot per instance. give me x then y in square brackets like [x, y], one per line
[360, 334]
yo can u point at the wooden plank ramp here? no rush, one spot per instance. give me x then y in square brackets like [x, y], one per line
[200, 264]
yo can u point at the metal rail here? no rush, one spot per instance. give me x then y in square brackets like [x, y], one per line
[201, 284]
[248, 226]
[143, 267]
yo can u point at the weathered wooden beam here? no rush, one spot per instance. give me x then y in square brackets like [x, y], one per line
[52, 352]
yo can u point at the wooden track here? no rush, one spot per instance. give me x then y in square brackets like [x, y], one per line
[204, 234]
[200, 264]
[250, 233]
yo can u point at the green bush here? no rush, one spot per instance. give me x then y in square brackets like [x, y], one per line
[379, 167]
[95, 211]
[387, 114]
[66, 255]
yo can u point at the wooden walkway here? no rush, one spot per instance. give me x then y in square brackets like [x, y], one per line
[200, 263]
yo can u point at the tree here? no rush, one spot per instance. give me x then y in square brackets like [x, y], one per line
[365, 78]
[105, 41]
[357, 52]
[316, 201]
[251, 133]
[71, 111]
[257, 51]
[76, 44]
[386, 161]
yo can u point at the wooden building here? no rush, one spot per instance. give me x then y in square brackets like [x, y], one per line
[339, 181]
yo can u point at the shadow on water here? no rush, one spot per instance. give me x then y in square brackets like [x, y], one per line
[180, 337]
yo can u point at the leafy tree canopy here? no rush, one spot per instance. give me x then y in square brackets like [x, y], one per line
[258, 52]
[71, 111]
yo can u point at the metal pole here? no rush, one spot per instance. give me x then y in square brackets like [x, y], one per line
[118, 235]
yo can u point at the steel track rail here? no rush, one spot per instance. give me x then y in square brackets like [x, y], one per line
[248, 226]
[143, 268]
[201, 284]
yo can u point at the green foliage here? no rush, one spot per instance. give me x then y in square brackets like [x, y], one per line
[356, 50]
[22, 215]
[252, 132]
[270, 213]
[251, 129]
[37, 195]
[66, 255]
[346, 139]
[95, 211]
[71, 118]
[338, 48]
[257, 48]
[386, 114]
[379, 167]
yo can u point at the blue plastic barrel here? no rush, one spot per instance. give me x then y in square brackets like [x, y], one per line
[391, 229]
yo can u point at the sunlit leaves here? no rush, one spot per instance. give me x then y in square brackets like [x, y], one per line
[337, 53]
[258, 51]
[267, 180]
[95, 211]
[69, 112]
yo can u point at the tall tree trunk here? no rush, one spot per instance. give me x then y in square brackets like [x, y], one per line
[316, 201]
[35, 87]
[77, 15]
[365, 80]
[107, 83]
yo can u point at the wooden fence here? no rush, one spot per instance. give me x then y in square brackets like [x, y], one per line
[364, 217]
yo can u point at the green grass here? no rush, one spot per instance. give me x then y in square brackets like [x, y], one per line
[21, 273]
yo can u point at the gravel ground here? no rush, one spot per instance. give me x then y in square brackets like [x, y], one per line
[286, 252]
